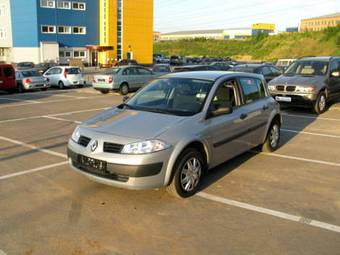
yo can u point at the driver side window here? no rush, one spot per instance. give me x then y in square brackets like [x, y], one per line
[226, 95]
[335, 66]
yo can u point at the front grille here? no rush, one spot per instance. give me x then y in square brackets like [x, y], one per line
[84, 141]
[280, 88]
[113, 147]
[290, 88]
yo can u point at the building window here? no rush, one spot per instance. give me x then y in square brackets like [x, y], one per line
[47, 3]
[79, 6]
[45, 29]
[3, 33]
[2, 52]
[79, 54]
[79, 30]
[64, 30]
[64, 4]
[68, 54]
[2, 10]
[61, 54]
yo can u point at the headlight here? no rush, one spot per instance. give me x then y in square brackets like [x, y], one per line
[76, 135]
[271, 88]
[305, 89]
[145, 147]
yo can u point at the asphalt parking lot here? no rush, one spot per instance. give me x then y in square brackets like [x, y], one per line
[282, 203]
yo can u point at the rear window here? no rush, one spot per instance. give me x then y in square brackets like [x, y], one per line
[253, 89]
[30, 73]
[112, 71]
[73, 70]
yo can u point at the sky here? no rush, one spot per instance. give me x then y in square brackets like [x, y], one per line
[180, 15]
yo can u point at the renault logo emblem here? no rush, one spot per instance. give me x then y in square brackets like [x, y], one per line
[93, 145]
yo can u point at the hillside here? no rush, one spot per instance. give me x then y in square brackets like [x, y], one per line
[286, 45]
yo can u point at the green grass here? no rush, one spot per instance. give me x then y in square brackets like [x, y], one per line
[286, 45]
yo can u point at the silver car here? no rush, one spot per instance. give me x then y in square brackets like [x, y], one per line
[175, 129]
[64, 76]
[30, 80]
[123, 79]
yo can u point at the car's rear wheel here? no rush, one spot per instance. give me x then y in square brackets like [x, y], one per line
[104, 91]
[43, 89]
[273, 137]
[124, 89]
[61, 85]
[320, 103]
[188, 172]
[20, 88]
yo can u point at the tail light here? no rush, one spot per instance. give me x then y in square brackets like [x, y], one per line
[65, 73]
[110, 79]
[27, 81]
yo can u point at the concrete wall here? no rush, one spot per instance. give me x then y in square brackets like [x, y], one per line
[21, 54]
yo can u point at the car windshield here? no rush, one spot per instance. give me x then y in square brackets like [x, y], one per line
[73, 70]
[307, 68]
[177, 96]
[244, 69]
[112, 71]
[30, 73]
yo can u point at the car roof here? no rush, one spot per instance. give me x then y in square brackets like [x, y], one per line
[251, 65]
[208, 75]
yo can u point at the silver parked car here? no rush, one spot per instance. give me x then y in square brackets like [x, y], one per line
[123, 79]
[30, 80]
[175, 129]
[64, 76]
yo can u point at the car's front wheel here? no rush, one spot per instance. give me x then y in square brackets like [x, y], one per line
[273, 137]
[320, 103]
[188, 171]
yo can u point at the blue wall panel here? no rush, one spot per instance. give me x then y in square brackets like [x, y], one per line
[88, 19]
[24, 23]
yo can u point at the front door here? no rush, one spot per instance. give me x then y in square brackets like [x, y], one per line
[7, 78]
[227, 133]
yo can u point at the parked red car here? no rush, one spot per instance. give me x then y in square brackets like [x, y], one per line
[7, 77]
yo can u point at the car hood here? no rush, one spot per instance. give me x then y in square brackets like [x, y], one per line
[299, 80]
[131, 123]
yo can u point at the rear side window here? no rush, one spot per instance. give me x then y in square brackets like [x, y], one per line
[253, 89]
[8, 72]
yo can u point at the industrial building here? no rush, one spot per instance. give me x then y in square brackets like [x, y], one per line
[92, 31]
[220, 34]
[320, 23]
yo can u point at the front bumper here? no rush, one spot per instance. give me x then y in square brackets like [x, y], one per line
[300, 100]
[123, 171]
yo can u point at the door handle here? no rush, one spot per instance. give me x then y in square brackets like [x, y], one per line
[243, 116]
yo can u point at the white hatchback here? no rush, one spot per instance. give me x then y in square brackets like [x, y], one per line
[64, 76]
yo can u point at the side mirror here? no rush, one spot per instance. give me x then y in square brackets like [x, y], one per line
[335, 74]
[221, 110]
[125, 98]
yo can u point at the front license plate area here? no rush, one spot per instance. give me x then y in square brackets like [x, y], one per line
[283, 99]
[92, 164]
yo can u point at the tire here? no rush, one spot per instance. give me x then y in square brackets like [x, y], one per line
[61, 85]
[320, 103]
[44, 89]
[124, 89]
[180, 188]
[104, 91]
[20, 88]
[273, 138]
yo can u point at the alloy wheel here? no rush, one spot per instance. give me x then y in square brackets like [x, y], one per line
[191, 174]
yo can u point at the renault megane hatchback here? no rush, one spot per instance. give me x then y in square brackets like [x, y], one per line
[175, 129]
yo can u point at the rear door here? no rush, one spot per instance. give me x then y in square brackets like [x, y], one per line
[145, 75]
[334, 81]
[133, 78]
[255, 103]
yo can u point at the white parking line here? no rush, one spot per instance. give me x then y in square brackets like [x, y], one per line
[34, 170]
[321, 162]
[62, 119]
[309, 133]
[54, 115]
[309, 117]
[278, 214]
[2, 252]
[33, 147]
